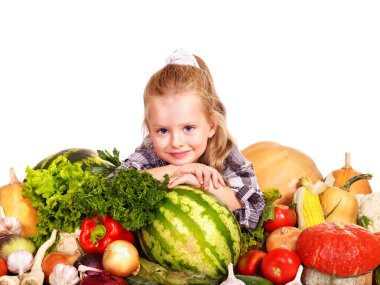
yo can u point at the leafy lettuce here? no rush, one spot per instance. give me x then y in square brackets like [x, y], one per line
[64, 194]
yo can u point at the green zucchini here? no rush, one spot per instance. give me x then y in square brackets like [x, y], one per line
[377, 275]
[253, 280]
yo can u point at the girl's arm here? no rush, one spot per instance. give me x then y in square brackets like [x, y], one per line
[159, 172]
[227, 196]
[221, 191]
[206, 176]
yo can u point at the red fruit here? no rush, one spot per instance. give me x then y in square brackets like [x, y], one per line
[249, 263]
[280, 265]
[3, 267]
[284, 216]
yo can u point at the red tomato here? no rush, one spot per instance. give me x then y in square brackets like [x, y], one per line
[249, 263]
[280, 265]
[284, 216]
[3, 267]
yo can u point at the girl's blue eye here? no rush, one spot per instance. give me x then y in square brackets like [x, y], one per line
[188, 128]
[163, 131]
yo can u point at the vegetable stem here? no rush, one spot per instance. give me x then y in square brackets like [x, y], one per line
[353, 179]
[98, 233]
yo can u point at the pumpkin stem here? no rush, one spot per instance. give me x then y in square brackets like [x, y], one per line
[347, 160]
[339, 226]
[14, 179]
[350, 181]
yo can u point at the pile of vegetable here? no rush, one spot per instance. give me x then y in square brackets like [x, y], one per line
[96, 225]
[100, 215]
[342, 200]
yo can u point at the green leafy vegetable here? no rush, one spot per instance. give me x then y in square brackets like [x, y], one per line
[131, 197]
[113, 159]
[64, 195]
[255, 238]
[377, 275]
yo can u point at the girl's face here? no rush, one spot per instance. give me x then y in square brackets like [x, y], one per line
[178, 128]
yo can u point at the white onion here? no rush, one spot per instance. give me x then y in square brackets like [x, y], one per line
[121, 258]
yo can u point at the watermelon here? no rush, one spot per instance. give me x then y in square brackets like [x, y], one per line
[193, 231]
[87, 158]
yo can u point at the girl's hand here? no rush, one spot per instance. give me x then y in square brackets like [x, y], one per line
[204, 174]
[186, 178]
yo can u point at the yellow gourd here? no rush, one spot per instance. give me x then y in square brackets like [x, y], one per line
[338, 204]
[16, 205]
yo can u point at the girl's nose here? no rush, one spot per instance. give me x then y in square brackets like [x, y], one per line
[177, 140]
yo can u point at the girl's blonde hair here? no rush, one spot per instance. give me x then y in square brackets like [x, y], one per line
[175, 79]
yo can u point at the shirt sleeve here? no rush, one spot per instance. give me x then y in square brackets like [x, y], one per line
[242, 179]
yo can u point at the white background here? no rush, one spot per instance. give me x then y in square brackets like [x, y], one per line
[305, 74]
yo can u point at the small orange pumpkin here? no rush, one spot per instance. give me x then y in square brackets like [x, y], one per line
[281, 167]
[16, 205]
[346, 172]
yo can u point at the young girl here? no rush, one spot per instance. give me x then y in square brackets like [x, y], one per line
[187, 138]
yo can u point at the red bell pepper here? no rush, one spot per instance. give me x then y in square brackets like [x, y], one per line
[98, 232]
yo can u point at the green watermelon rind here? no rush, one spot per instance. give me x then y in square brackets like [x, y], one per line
[86, 157]
[204, 241]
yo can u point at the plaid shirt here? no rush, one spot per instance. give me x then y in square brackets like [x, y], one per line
[237, 170]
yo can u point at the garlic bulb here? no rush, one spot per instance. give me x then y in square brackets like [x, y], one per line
[8, 225]
[68, 243]
[64, 274]
[20, 261]
[231, 279]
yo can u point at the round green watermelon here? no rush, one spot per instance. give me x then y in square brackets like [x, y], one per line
[86, 157]
[192, 231]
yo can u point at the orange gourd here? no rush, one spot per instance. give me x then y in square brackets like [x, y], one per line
[346, 172]
[281, 167]
[16, 205]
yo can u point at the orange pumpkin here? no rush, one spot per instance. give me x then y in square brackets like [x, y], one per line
[16, 205]
[281, 167]
[346, 172]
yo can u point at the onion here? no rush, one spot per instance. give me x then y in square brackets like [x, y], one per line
[121, 258]
[103, 279]
[93, 260]
[283, 237]
[52, 259]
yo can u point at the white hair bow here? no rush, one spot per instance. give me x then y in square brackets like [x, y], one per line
[182, 57]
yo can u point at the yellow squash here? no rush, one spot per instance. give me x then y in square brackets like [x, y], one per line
[338, 204]
[16, 205]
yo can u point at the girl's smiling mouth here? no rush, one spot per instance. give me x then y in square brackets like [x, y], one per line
[179, 154]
